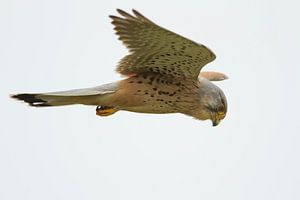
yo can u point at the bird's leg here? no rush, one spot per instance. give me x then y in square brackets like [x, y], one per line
[105, 110]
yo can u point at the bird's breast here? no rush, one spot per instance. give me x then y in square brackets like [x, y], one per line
[153, 94]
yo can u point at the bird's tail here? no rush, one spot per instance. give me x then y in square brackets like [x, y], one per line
[100, 95]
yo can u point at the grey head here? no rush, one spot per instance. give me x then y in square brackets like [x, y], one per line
[212, 103]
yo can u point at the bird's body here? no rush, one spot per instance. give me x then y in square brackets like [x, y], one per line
[155, 94]
[162, 77]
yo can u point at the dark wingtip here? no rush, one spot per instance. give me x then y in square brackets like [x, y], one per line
[120, 11]
[31, 99]
[125, 14]
[137, 13]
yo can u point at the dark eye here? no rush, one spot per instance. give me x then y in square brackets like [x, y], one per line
[221, 109]
[212, 109]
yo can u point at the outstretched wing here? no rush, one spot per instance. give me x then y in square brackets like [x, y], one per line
[155, 49]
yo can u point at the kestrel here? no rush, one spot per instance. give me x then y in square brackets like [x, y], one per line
[162, 73]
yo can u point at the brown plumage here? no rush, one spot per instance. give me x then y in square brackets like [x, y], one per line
[155, 49]
[162, 70]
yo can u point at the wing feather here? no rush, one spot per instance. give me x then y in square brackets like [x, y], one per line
[155, 49]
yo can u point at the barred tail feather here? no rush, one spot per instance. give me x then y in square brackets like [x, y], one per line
[89, 96]
[45, 100]
[31, 99]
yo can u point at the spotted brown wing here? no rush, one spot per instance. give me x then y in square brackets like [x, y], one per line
[155, 49]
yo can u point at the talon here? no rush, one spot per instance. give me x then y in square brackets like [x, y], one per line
[105, 110]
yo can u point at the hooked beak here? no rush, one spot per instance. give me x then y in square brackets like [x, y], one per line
[217, 117]
[215, 122]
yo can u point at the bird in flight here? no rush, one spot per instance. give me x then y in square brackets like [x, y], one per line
[162, 73]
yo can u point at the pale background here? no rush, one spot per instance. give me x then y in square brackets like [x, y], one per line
[70, 153]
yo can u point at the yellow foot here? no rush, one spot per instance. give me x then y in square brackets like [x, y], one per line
[105, 110]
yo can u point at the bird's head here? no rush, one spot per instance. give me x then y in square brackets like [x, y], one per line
[217, 112]
[212, 104]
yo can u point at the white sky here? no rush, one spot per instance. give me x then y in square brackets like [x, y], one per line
[70, 153]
